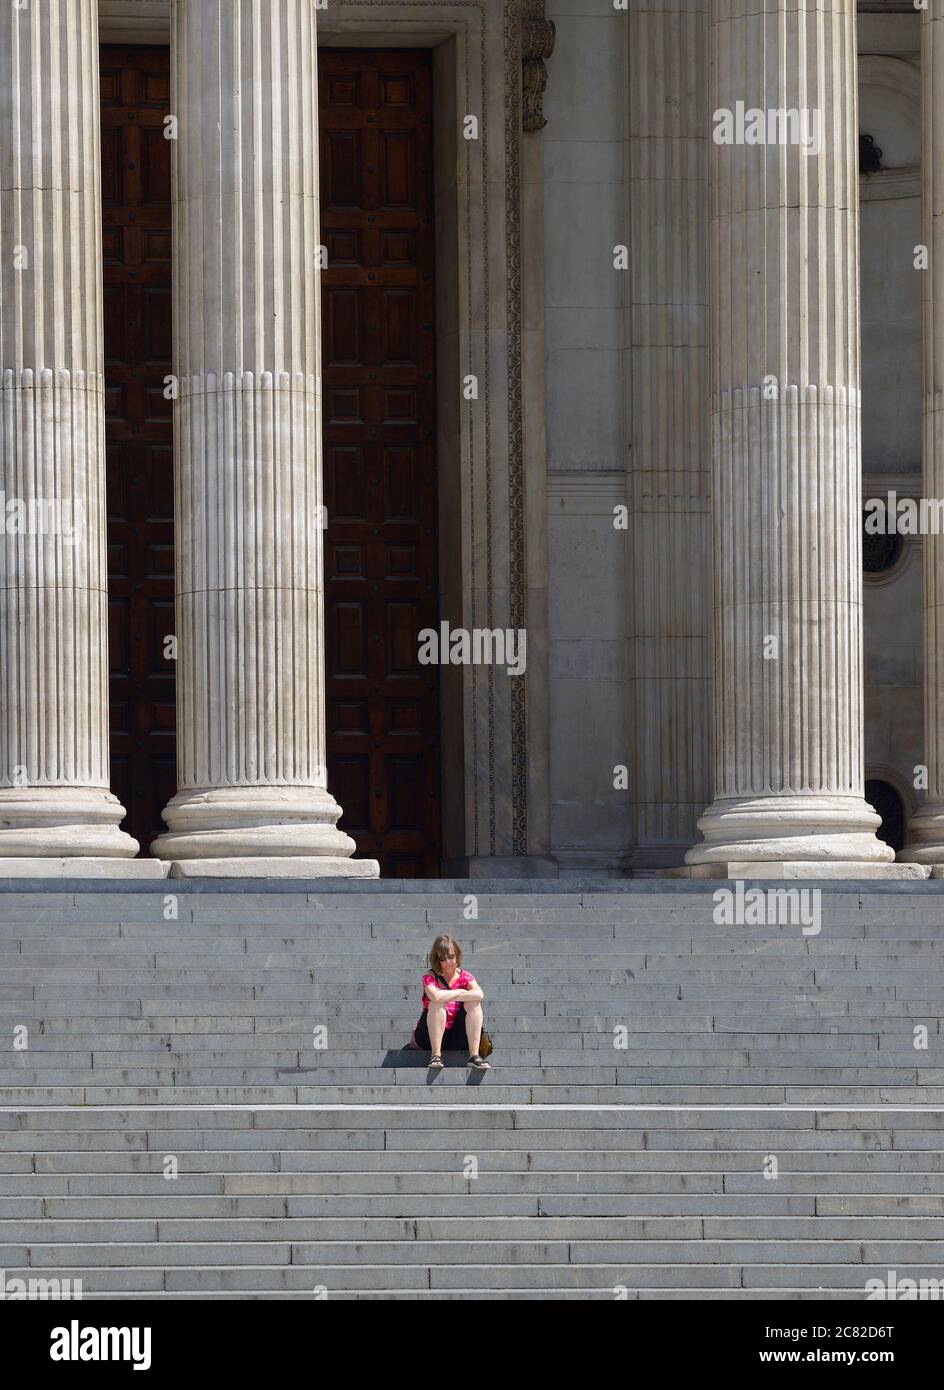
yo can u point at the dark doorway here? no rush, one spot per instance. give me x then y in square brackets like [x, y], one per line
[379, 457]
[884, 799]
[136, 198]
[381, 584]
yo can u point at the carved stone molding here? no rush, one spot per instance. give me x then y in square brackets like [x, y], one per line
[537, 43]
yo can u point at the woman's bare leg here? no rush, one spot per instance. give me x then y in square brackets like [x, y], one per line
[474, 1019]
[436, 1023]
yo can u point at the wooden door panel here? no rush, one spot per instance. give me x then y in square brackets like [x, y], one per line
[346, 478]
[155, 171]
[139, 430]
[379, 459]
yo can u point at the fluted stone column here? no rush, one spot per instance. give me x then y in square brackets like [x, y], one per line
[57, 814]
[926, 832]
[669, 464]
[253, 792]
[788, 760]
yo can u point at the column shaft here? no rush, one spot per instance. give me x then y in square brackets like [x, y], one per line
[669, 465]
[55, 801]
[788, 761]
[926, 832]
[251, 737]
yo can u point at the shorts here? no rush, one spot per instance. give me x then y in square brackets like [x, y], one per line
[454, 1038]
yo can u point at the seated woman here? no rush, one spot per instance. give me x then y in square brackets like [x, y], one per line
[452, 1016]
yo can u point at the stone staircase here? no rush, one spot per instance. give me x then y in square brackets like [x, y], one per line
[216, 1103]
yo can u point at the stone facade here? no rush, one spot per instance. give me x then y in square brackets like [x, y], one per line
[626, 488]
[598, 662]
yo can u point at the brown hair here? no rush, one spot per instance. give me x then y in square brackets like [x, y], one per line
[441, 947]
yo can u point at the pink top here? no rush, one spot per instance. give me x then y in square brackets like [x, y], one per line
[462, 981]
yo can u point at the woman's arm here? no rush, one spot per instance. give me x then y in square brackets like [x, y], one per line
[445, 996]
[440, 996]
[472, 994]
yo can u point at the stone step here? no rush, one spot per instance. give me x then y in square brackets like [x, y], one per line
[585, 1034]
[597, 1042]
[739, 1170]
[791, 1016]
[885, 1188]
[88, 1000]
[340, 1182]
[63, 1213]
[580, 995]
[418, 928]
[640, 980]
[314, 1116]
[417, 1129]
[504, 944]
[414, 934]
[402, 1204]
[432, 895]
[391, 1280]
[459, 1254]
[549, 1216]
[475, 1096]
[829, 965]
[833, 1091]
[852, 1188]
[343, 1064]
[578, 1068]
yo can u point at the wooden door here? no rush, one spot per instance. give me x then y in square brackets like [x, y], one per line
[136, 193]
[379, 456]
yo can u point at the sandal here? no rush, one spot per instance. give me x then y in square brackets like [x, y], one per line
[479, 1063]
[435, 1062]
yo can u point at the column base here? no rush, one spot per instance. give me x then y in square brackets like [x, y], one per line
[63, 823]
[258, 832]
[799, 869]
[83, 868]
[925, 836]
[808, 830]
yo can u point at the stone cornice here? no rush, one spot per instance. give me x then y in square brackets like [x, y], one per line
[890, 183]
[134, 21]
